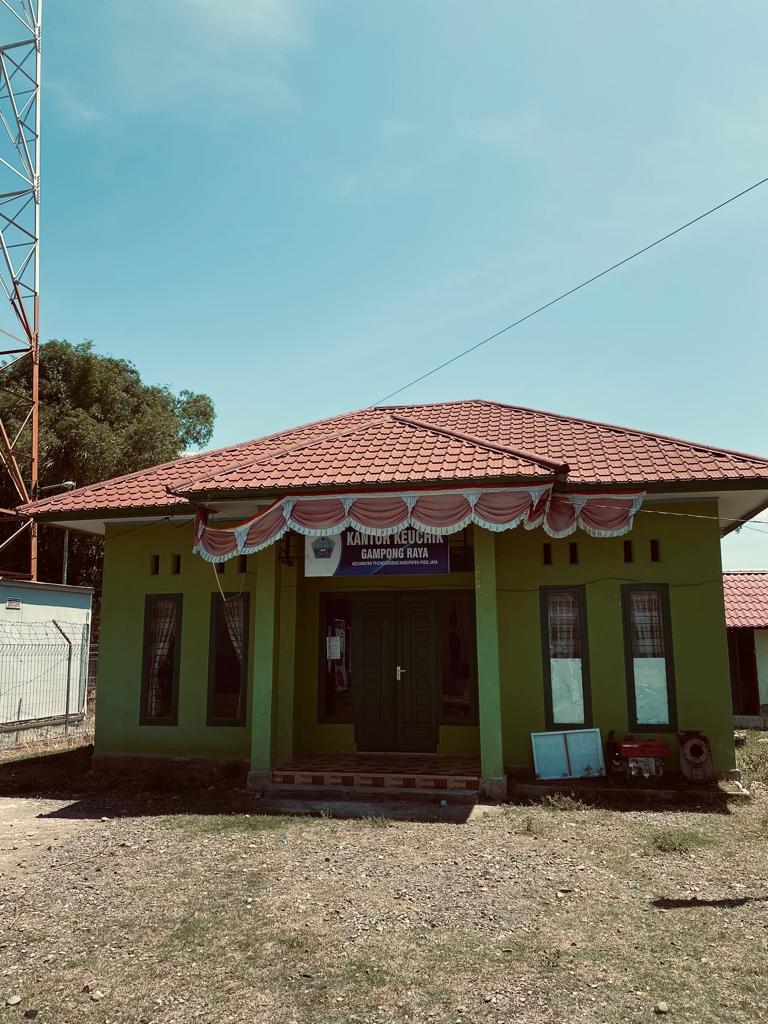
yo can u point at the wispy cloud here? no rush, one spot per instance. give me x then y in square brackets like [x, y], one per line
[194, 56]
[375, 184]
[75, 110]
[394, 128]
[279, 23]
[524, 132]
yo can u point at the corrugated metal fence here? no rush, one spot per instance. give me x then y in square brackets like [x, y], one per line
[43, 674]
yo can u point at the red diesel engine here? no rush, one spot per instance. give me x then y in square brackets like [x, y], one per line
[636, 758]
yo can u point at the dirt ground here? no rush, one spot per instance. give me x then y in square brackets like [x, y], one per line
[125, 906]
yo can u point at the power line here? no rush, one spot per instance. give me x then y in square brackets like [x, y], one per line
[746, 523]
[571, 291]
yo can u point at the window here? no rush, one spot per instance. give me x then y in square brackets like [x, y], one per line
[628, 555]
[228, 659]
[655, 551]
[546, 552]
[175, 565]
[220, 567]
[648, 650]
[573, 553]
[160, 675]
[335, 660]
[566, 660]
[242, 563]
[458, 680]
[154, 565]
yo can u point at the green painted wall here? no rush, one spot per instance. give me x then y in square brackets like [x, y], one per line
[127, 580]
[690, 564]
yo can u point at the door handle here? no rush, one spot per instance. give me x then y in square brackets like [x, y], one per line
[399, 673]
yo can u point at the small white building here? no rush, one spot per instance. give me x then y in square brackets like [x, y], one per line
[44, 650]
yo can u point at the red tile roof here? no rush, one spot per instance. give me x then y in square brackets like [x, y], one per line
[746, 599]
[443, 443]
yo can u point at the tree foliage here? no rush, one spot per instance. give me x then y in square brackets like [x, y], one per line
[98, 419]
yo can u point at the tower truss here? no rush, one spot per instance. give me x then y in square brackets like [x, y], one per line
[20, 22]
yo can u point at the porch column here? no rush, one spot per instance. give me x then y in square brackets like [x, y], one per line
[493, 782]
[263, 667]
[286, 659]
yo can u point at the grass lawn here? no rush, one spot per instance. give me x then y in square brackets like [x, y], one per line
[121, 906]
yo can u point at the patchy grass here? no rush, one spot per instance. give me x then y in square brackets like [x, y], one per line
[752, 759]
[564, 802]
[222, 824]
[678, 840]
[182, 914]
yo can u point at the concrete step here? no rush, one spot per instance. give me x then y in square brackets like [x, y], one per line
[382, 810]
[368, 794]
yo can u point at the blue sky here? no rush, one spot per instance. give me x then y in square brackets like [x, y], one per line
[299, 205]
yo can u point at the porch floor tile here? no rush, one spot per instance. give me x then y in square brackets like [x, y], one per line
[379, 770]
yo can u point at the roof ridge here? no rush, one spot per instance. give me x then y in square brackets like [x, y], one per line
[557, 467]
[695, 445]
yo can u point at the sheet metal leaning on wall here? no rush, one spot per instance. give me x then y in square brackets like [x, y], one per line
[568, 754]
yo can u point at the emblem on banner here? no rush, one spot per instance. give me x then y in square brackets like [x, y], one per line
[323, 547]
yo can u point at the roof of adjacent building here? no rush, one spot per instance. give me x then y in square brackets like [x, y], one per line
[444, 443]
[746, 599]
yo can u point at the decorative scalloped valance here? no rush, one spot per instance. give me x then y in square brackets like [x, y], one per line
[436, 512]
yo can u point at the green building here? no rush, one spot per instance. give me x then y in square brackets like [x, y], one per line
[402, 596]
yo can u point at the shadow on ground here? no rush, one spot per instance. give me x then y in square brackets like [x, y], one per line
[609, 796]
[67, 775]
[693, 902]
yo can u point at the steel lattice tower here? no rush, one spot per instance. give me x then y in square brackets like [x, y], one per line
[20, 21]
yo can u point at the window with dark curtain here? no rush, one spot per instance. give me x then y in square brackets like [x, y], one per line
[457, 658]
[161, 658]
[228, 659]
[564, 656]
[335, 660]
[648, 655]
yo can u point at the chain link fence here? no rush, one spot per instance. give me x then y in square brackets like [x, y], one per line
[45, 669]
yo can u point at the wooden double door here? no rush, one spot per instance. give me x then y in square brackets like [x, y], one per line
[396, 671]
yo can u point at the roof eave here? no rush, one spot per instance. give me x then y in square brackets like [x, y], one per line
[185, 504]
[750, 515]
[271, 493]
[110, 512]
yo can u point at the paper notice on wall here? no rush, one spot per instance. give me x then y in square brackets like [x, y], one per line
[333, 648]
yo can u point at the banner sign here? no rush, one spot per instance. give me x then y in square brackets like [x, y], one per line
[351, 553]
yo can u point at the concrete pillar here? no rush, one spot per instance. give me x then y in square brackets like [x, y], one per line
[286, 660]
[263, 667]
[493, 782]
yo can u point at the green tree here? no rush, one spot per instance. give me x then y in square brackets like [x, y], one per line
[98, 419]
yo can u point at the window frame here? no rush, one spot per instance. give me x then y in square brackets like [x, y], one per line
[323, 718]
[586, 678]
[666, 618]
[173, 719]
[242, 718]
[474, 715]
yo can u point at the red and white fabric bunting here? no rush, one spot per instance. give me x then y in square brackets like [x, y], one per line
[436, 512]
